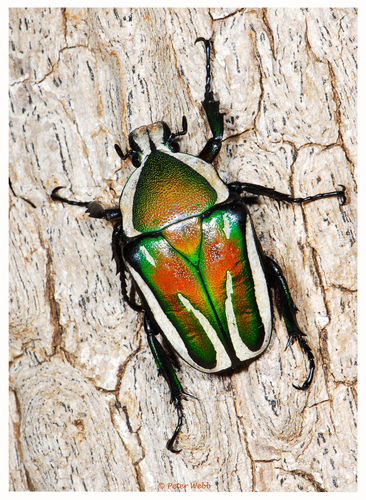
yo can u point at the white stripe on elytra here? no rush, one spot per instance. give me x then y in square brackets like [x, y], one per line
[240, 348]
[149, 257]
[238, 344]
[226, 226]
[222, 358]
[170, 332]
[260, 284]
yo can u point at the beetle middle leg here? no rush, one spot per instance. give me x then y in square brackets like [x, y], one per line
[289, 310]
[117, 247]
[240, 187]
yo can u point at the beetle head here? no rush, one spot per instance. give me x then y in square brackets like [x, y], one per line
[149, 138]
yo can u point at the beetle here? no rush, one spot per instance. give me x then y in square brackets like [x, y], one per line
[188, 242]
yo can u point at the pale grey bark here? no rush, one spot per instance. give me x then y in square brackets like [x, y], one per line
[88, 410]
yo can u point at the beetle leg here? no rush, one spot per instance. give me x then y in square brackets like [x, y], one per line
[93, 208]
[255, 189]
[182, 132]
[165, 368]
[161, 359]
[289, 310]
[214, 117]
[117, 246]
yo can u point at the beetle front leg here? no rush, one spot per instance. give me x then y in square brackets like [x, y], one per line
[165, 368]
[289, 310]
[212, 110]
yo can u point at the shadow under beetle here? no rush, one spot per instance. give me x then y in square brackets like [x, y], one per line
[187, 240]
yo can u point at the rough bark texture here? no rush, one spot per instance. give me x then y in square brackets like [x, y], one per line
[87, 408]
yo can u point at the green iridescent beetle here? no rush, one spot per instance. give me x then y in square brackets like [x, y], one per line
[187, 240]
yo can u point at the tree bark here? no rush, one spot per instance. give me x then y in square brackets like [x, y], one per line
[87, 408]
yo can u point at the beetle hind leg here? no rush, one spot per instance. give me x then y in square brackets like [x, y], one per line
[170, 442]
[306, 349]
[165, 368]
[289, 310]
